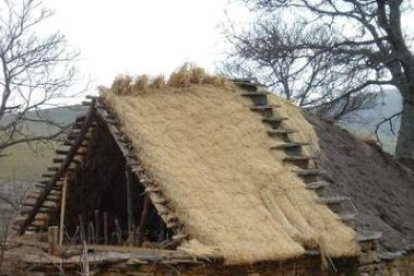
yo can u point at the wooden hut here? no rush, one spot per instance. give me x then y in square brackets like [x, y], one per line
[197, 176]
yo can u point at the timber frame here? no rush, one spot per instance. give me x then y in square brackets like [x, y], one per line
[53, 191]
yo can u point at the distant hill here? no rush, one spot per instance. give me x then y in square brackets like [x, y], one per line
[27, 162]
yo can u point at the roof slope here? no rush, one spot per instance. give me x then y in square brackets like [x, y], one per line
[210, 154]
[383, 190]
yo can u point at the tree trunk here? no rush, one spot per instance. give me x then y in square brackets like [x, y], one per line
[405, 143]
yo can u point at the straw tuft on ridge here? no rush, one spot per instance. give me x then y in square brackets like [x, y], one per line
[184, 77]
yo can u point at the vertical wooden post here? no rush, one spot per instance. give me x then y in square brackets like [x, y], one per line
[97, 238]
[52, 240]
[105, 227]
[130, 210]
[142, 221]
[91, 233]
[63, 210]
[118, 232]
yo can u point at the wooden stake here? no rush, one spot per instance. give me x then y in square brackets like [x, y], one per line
[105, 227]
[52, 239]
[142, 221]
[118, 232]
[81, 229]
[130, 210]
[97, 228]
[63, 210]
[91, 233]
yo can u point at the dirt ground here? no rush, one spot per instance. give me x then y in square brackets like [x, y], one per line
[381, 189]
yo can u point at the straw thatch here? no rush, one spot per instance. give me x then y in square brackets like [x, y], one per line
[211, 156]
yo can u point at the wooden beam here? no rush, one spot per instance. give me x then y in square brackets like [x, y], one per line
[49, 186]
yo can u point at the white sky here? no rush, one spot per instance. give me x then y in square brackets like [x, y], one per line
[142, 36]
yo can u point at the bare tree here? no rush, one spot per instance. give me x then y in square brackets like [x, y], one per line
[35, 70]
[271, 53]
[365, 40]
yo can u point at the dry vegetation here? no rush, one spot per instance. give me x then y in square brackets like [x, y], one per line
[184, 77]
[210, 155]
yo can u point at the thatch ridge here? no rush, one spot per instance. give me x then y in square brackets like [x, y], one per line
[188, 74]
[210, 155]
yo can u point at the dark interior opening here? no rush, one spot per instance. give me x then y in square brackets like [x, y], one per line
[97, 200]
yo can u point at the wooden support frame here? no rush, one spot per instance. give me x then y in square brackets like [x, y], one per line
[62, 169]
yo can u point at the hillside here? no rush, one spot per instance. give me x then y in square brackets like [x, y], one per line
[363, 123]
[27, 162]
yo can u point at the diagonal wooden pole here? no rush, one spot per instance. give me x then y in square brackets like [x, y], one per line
[63, 210]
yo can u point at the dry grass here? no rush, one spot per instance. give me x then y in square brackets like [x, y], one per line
[185, 76]
[211, 156]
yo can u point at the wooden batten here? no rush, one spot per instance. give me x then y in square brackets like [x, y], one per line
[62, 152]
[57, 160]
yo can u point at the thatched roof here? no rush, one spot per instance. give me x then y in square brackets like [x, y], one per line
[381, 188]
[210, 155]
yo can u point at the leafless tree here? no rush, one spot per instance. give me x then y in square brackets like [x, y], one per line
[270, 53]
[36, 69]
[364, 39]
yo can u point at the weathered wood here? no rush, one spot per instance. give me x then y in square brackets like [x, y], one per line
[105, 227]
[289, 145]
[143, 219]
[62, 152]
[63, 210]
[52, 239]
[280, 131]
[65, 164]
[81, 229]
[130, 210]
[57, 160]
[91, 233]
[97, 239]
[118, 232]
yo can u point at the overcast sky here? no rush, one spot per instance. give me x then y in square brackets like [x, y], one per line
[135, 37]
[143, 36]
